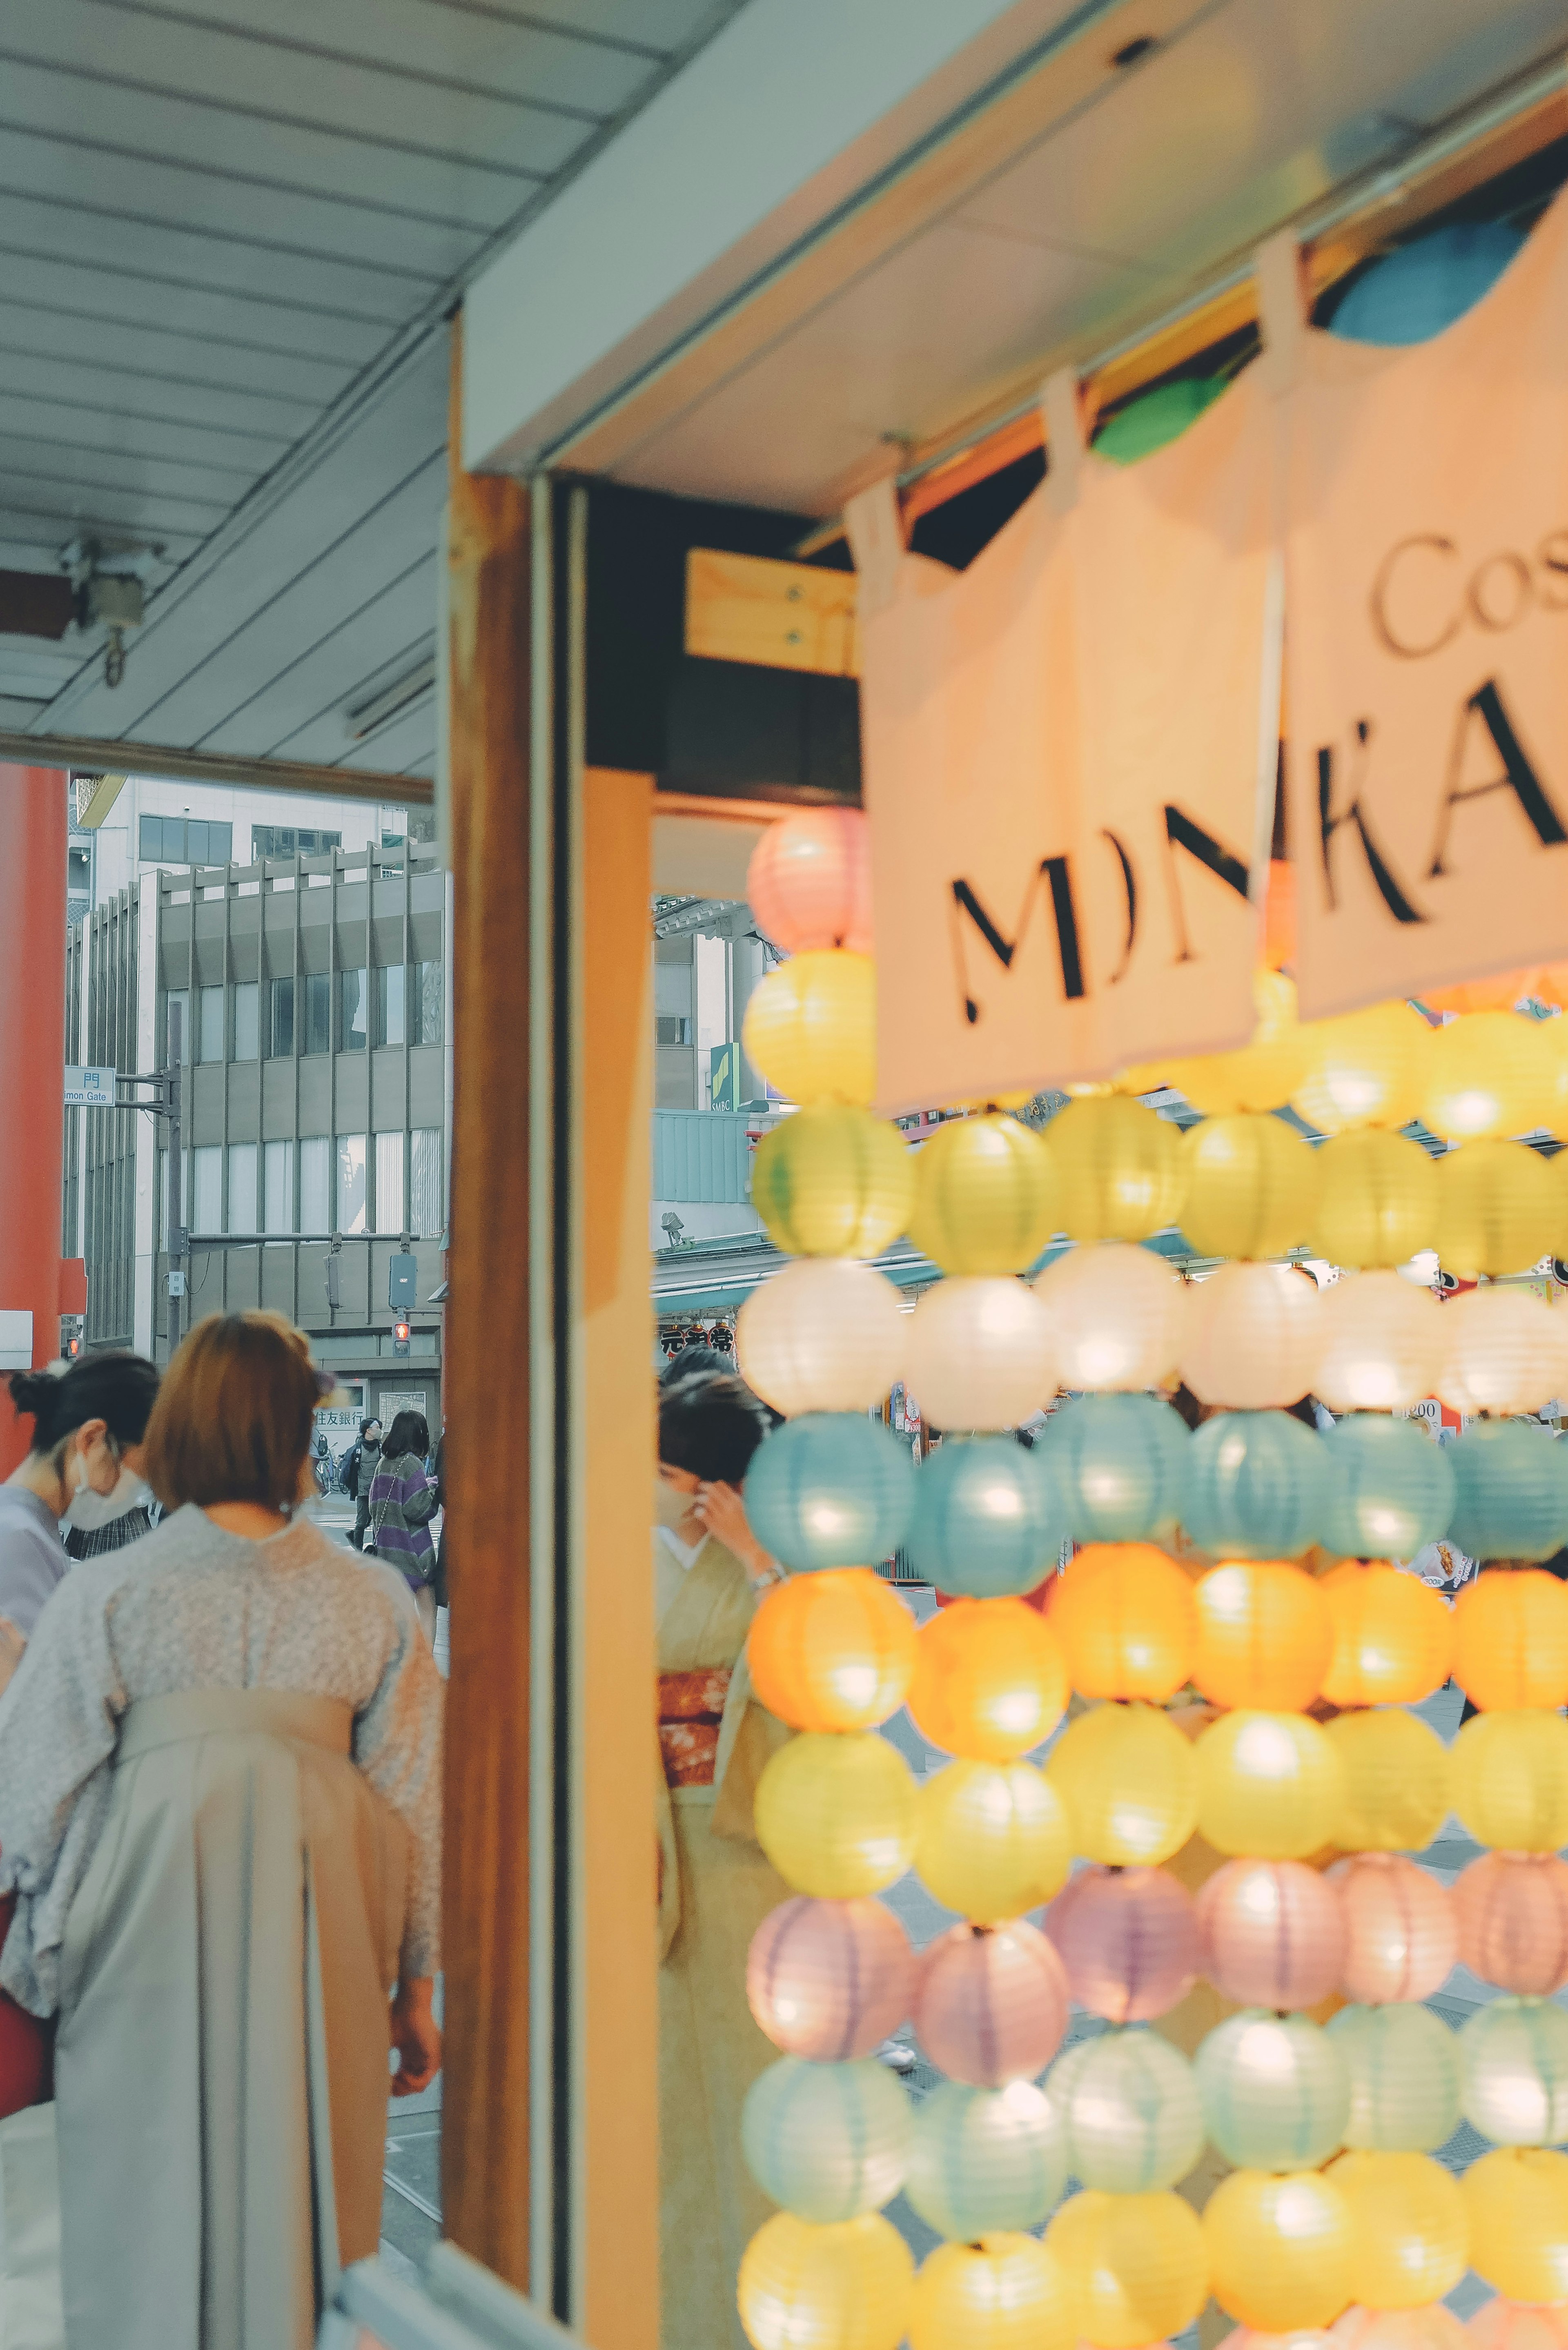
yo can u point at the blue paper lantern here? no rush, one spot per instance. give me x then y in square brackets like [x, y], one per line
[1389, 1488]
[982, 2159]
[826, 2141]
[1253, 1485]
[830, 1489]
[990, 1518]
[1510, 1490]
[1412, 295]
[1118, 1461]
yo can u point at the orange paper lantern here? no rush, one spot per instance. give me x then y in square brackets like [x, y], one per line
[990, 1680]
[1511, 1640]
[1393, 1636]
[1126, 1617]
[1265, 1637]
[834, 1651]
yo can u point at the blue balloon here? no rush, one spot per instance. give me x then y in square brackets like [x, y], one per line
[1510, 1490]
[988, 1518]
[830, 1489]
[1413, 294]
[1254, 1485]
[1389, 1488]
[1118, 1461]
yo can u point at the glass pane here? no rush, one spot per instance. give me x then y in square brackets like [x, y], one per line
[282, 1019]
[355, 990]
[196, 841]
[318, 1012]
[351, 1184]
[315, 1169]
[178, 1017]
[389, 1183]
[206, 1213]
[241, 1186]
[390, 992]
[425, 1184]
[221, 842]
[427, 1008]
[247, 1023]
[152, 836]
[279, 1181]
[211, 1015]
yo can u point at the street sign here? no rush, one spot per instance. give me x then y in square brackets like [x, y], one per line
[176, 1284]
[402, 1282]
[89, 1088]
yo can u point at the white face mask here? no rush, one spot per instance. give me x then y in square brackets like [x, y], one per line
[88, 1511]
[669, 1505]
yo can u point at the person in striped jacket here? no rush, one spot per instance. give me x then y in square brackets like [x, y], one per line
[404, 1498]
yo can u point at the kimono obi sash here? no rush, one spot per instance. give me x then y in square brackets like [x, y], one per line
[690, 1709]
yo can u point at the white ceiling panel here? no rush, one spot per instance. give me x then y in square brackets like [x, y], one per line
[156, 355]
[103, 302]
[300, 712]
[66, 467]
[405, 744]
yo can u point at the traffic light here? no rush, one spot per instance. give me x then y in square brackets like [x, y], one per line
[399, 1337]
[403, 1275]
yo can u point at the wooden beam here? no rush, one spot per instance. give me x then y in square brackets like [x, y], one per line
[95, 751]
[744, 608]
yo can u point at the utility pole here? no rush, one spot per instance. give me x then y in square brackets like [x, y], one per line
[176, 1234]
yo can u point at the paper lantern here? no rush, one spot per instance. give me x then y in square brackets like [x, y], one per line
[1119, 1166]
[810, 1027]
[1393, 1634]
[978, 1353]
[1517, 2198]
[1129, 1781]
[1503, 1351]
[1281, 2248]
[1431, 2327]
[990, 1680]
[1115, 1316]
[1272, 1933]
[1511, 1909]
[992, 1839]
[1128, 1939]
[1382, 1340]
[1510, 1490]
[1135, 2265]
[1510, 1781]
[990, 1517]
[1513, 2071]
[1118, 1461]
[1264, 1637]
[1132, 2114]
[847, 2286]
[1401, 1935]
[1413, 293]
[1125, 1617]
[1253, 1486]
[1484, 1075]
[1396, 1777]
[830, 1980]
[1500, 2324]
[836, 1815]
[1275, 2091]
[830, 1489]
[981, 2159]
[1006, 2293]
[827, 2141]
[1411, 2230]
[1261, 1076]
[831, 1652]
[1511, 1640]
[1252, 1186]
[833, 1180]
[809, 880]
[985, 1195]
[1365, 1069]
[991, 2004]
[1388, 1487]
[1254, 1336]
[1268, 1784]
[1404, 2067]
[825, 1335]
[1377, 1204]
[1499, 1208]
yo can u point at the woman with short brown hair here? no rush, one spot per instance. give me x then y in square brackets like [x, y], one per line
[219, 1790]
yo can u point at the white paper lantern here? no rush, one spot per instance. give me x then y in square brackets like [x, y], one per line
[1115, 1316]
[1253, 1336]
[1513, 2071]
[1503, 1350]
[978, 1353]
[1383, 1339]
[1132, 2113]
[824, 1335]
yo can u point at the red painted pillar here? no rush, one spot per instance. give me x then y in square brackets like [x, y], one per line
[33, 838]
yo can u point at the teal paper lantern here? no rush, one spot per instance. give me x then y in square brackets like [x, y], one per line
[830, 1489]
[1132, 2113]
[990, 1518]
[1275, 2091]
[983, 2159]
[1389, 1488]
[1118, 1461]
[826, 2141]
[1404, 2065]
[1155, 418]
[1510, 1490]
[1253, 1486]
[1412, 295]
[1513, 2071]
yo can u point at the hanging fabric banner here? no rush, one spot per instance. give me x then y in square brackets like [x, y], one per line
[1426, 574]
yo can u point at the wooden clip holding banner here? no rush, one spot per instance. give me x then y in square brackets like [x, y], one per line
[1063, 440]
[876, 530]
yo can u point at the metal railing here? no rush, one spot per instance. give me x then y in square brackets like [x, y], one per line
[458, 2304]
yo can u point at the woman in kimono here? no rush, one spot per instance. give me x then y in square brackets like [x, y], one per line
[220, 1803]
[715, 1887]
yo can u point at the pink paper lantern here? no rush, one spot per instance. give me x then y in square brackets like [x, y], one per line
[1306, 2337]
[1272, 1933]
[1428, 2327]
[1128, 1939]
[830, 1980]
[1502, 2324]
[809, 880]
[1512, 1912]
[1401, 1932]
[992, 2003]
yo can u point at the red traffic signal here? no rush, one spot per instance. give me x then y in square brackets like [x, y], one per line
[400, 1332]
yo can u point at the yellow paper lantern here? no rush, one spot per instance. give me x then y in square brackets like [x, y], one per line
[1135, 2265]
[1252, 1186]
[1511, 1640]
[1379, 1200]
[847, 2286]
[1268, 1784]
[1411, 2230]
[811, 1026]
[1119, 1166]
[1265, 1074]
[1499, 1208]
[831, 1652]
[1510, 1781]
[1280, 2247]
[1393, 1636]
[833, 1180]
[836, 1815]
[1517, 2201]
[992, 1839]
[1487, 1074]
[1365, 1069]
[1396, 1780]
[1264, 1637]
[989, 1678]
[1129, 1781]
[985, 1195]
[1006, 2293]
[1126, 1616]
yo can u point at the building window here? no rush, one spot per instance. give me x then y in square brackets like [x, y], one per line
[247, 1021]
[282, 1019]
[391, 979]
[425, 1008]
[177, 1017]
[390, 1182]
[286, 839]
[241, 1186]
[425, 1171]
[210, 1014]
[354, 995]
[206, 1212]
[318, 1012]
[315, 1172]
[277, 1177]
[186, 840]
[350, 1184]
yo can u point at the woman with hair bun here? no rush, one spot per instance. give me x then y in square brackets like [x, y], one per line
[89, 1423]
